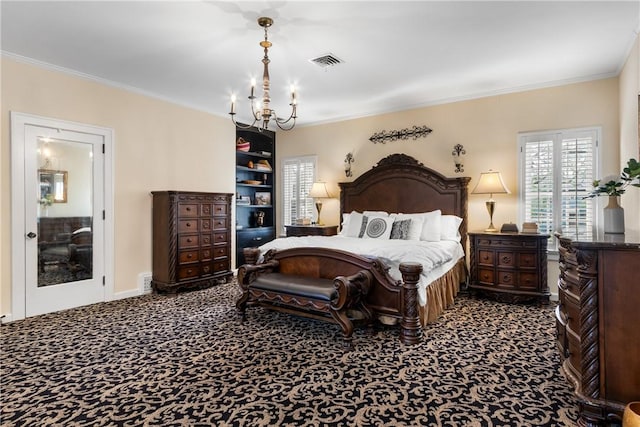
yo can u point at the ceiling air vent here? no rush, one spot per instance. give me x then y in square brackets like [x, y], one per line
[327, 60]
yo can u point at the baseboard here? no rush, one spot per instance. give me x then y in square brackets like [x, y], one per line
[553, 297]
[6, 318]
[127, 294]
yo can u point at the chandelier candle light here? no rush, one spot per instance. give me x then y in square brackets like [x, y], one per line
[490, 183]
[262, 112]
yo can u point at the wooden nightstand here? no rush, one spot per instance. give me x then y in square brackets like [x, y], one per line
[311, 230]
[510, 267]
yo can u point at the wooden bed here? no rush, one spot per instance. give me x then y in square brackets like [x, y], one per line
[401, 184]
[407, 186]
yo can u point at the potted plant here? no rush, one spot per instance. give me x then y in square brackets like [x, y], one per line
[614, 186]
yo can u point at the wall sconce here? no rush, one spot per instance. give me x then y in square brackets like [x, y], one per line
[458, 152]
[347, 164]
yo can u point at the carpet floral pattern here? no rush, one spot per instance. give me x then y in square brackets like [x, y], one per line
[185, 360]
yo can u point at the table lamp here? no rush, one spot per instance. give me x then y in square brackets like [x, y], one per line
[490, 183]
[319, 191]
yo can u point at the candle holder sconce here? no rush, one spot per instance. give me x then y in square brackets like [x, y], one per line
[457, 153]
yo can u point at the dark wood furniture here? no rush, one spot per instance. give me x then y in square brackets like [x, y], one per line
[252, 179]
[311, 230]
[318, 283]
[598, 323]
[510, 267]
[399, 183]
[58, 242]
[191, 239]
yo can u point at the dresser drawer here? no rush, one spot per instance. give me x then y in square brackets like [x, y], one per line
[220, 223]
[528, 281]
[187, 210]
[219, 209]
[220, 237]
[219, 266]
[206, 269]
[572, 310]
[220, 252]
[205, 240]
[527, 260]
[485, 257]
[206, 224]
[506, 259]
[561, 334]
[186, 257]
[188, 241]
[485, 276]
[506, 279]
[205, 209]
[190, 272]
[206, 254]
[188, 226]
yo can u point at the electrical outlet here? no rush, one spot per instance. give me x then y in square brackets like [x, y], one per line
[144, 283]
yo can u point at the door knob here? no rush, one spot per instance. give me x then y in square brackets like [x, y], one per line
[31, 234]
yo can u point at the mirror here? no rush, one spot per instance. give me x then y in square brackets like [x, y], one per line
[53, 186]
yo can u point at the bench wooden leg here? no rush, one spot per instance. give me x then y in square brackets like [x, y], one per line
[346, 325]
[241, 306]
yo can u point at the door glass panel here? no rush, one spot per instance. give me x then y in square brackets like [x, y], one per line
[65, 211]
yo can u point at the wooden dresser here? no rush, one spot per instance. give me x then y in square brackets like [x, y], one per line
[598, 323]
[191, 239]
[510, 267]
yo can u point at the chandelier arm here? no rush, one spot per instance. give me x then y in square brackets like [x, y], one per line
[239, 125]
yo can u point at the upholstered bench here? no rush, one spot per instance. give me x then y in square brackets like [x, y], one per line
[320, 298]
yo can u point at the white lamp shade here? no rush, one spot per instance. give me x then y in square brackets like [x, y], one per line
[490, 183]
[319, 191]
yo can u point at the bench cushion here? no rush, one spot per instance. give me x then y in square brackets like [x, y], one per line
[310, 287]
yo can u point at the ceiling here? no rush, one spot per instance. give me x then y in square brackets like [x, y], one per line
[397, 55]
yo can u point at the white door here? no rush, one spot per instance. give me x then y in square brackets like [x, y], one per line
[63, 227]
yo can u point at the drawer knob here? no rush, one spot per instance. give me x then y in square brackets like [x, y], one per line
[486, 276]
[257, 239]
[190, 256]
[189, 240]
[506, 259]
[188, 224]
[188, 209]
[484, 258]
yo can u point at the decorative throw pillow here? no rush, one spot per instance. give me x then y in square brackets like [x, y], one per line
[450, 228]
[401, 229]
[415, 230]
[378, 227]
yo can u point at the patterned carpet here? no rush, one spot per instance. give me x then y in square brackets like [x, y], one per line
[185, 360]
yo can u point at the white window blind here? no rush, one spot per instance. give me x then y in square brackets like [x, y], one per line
[557, 170]
[298, 177]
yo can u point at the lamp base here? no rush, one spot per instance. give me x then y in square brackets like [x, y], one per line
[318, 208]
[491, 206]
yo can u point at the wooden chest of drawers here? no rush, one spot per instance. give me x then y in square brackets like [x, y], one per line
[191, 239]
[311, 230]
[509, 266]
[597, 322]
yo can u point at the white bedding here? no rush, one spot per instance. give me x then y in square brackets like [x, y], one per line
[436, 257]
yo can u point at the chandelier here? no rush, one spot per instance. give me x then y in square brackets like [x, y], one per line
[261, 111]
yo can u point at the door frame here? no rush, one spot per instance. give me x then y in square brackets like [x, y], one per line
[18, 192]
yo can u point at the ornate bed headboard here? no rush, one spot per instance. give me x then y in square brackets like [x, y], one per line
[399, 183]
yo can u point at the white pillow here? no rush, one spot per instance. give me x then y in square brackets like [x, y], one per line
[378, 227]
[415, 229]
[450, 227]
[375, 213]
[345, 224]
[354, 225]
[431, 224]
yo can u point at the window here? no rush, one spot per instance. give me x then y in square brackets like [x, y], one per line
[557, 170]
[298, 176]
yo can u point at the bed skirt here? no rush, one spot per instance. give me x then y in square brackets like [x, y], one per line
[441, 292]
